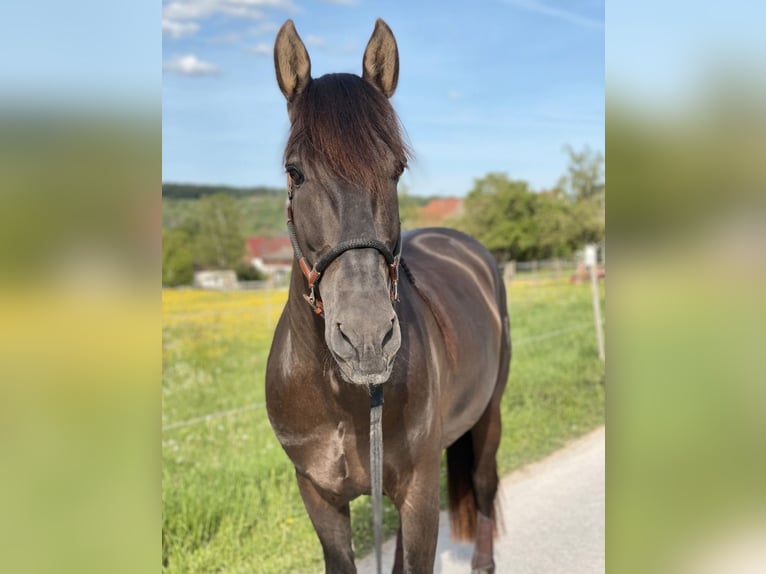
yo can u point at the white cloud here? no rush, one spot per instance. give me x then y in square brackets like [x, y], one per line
[263, 28]
[454, 95]
[227, 38]
[199, 9]
[181, 17]
[187, 10]
[314, 41]
[189, 65]
[262, 49]
[176, 29]
[552, 11]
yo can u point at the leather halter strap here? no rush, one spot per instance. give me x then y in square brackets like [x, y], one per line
[313, 273]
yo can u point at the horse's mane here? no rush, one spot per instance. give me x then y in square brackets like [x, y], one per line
[345, 124]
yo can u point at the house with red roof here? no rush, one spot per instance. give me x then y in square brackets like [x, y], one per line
[272, 255]
[438, 210]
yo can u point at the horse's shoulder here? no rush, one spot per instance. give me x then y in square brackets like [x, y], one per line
[424, 239]
[438, 255]
[455, 276]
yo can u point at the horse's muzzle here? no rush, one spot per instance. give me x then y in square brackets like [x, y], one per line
[365, 351]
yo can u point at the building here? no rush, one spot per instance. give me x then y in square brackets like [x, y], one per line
[272, 255]
[223, 280]
[439, 210]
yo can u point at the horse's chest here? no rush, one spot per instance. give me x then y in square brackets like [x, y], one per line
[328, 457]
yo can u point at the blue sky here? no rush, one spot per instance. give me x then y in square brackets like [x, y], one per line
[484, 85]
[662, 56]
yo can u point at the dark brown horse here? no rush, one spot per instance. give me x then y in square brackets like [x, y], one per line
[435, 337]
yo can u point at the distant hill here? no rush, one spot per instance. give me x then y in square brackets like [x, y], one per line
[195, 191]
[263, 208]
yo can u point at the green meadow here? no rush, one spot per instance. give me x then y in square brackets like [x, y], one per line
[230, 503]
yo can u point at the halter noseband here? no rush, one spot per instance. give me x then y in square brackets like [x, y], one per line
[313, 273]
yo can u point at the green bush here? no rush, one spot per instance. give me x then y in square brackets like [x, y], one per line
[177, 266]
[246, 272]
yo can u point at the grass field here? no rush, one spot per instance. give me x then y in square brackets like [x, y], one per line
[230, 503]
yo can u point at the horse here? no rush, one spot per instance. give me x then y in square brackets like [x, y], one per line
[434, 339]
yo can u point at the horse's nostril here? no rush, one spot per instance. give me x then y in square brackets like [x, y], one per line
[343, 335]
[389, 335]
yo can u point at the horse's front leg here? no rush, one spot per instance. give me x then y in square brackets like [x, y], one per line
[419, 512]
[333, 527]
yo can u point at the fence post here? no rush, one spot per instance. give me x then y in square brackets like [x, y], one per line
[591, 261]
[509, 271]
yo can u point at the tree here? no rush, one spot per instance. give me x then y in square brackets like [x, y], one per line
[585, 174]
[589, 216]
[247, 272]
[220, 242]
[584, 184]
[556, 224]
[499, 213]
[516, 223]
[177, 267]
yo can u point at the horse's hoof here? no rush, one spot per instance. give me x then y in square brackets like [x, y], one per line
[485, 568]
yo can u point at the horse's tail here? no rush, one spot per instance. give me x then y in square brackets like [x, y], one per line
[462, 500]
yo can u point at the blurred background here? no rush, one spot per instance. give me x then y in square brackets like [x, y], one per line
[491, 93]
[686, 137]
[80, 255]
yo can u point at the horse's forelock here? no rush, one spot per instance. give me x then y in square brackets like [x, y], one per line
[348, 127]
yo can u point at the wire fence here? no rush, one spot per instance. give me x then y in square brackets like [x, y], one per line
[254, 406]
[539, 269]
[573, 270]
[212, 416]
[537, 274]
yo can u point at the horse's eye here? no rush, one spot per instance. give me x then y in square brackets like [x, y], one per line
[294, 175]
[399, 172]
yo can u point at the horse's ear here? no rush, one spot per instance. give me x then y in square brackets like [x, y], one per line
[291, 61]
[381, 59]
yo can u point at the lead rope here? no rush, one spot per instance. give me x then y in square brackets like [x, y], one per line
[376, 469]
[376, 391]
